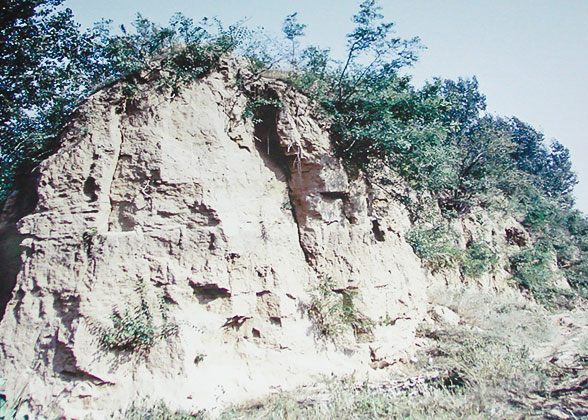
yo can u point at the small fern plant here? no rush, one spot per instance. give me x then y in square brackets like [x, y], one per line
[134, 328]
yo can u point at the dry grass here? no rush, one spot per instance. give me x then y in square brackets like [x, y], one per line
[482, 368]
[489, 366]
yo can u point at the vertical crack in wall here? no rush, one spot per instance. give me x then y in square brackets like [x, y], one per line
[115, 129]
[270, 148]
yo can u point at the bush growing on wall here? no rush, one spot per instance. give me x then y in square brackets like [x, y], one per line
[478, 258]
[436, 246]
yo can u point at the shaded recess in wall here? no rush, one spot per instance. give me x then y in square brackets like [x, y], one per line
[21, 203]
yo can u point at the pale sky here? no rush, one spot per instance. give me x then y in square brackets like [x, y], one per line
[530, 56]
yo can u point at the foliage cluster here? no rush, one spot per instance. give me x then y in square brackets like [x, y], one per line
[440, 141]
[437, 247]
[334, 312]
[532, 266]
[134, 329]
[478, 258]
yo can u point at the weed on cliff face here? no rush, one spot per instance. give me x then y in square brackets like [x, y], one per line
[478, 258]
[134, 328]
[334, 312]
[435, 246]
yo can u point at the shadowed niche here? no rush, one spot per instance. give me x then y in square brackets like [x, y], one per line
[21, 203]
[268, 140]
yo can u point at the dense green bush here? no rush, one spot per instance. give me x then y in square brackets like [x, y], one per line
[532, 267]
[436, 246]
[478, 258]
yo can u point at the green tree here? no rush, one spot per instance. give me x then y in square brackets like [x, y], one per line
[558, 178]
[549, 168]
[464, 103]
[292, 30]
[44, 69]
[370, 105]
[530, 153]
[480, 165]
[372, 40]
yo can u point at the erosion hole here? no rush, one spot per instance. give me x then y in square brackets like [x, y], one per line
[90, 188]
[379, 234]
[208, 292]
[268, 140]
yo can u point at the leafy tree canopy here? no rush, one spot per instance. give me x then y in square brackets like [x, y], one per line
[42, 73]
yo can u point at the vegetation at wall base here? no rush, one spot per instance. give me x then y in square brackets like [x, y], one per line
[482, 368]
[145, 410]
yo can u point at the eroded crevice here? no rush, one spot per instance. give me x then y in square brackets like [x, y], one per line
[18, 296]
[67, 306]
[515, 236]
[90, 189]
[379, 234]
[276, 320]
[335, 195]
[207, 215]
[124, 216]
[64, 364]
[268, 139]
[269, 146]
[206, 293]
[308, 255]
[115, 125]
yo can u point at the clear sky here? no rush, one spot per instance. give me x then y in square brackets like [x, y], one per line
[530, 56]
